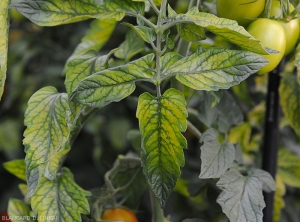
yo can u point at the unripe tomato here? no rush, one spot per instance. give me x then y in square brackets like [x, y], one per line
[240, 10]
[119, 214]
[291, 28]
[271, 34]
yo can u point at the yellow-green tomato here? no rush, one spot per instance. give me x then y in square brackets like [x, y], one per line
[291, 28]
[271, 34]
[243, 11]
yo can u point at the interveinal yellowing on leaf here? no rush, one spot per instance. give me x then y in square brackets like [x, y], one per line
[18, 211]
[226, 28]
[64, 199]
[47, 130]
[114, 84]
[4, 23]
[289, 91]
[17, 168]
[289, 167]
[57, 12]
[161, 121]
[215, 68]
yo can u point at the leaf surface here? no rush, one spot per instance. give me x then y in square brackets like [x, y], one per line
[47, 133]
[57, 12]
[289, 167]
[215, 68]
[18, 211]
[241, 198]
[221, 115]
[17, 168]
[4, 25]
[226, 28]
[216, 158]
[132, 45]
[113, 85]
[289, 91]
[161, 122]
[65, 200]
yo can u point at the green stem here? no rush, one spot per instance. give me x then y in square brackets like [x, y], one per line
[157, 213]
[154, 7]
[194, 130]
[148, 22]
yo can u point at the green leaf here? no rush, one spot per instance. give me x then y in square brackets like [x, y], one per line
[241, 198]
[216, 158]
[4, 25]
[289, 91]
[191, 32]
[23, 188]
[241, 134]
[47, 132]
[225, 28]
[168, 59]
[134, 136]
[33, 177]
[132, 45]
[113, 85]
[17, 168]
[64, 199]
[289, 167]
[265, 178]
[222, 115]
[146, 33]
[58, 12]
[18, 211]
[161, 122]
[215, 68]
[297, 62]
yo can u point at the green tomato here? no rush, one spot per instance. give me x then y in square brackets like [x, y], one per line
[291, 28]
[271, 34]
[243, 11]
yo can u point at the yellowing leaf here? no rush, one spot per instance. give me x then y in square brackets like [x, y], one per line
[241, 134]
[215, 68]
[62, 199]
[289, 167]
[47, 133]
[17, 168]
[289, 91]
[278, 199]
[18, 211]
[57, 12]
[4, 22]
[228, 29]
[114, 84]
[161, 122]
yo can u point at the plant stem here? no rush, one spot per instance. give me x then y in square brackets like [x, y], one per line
[194, 130]
[154, 7]
[157, 213]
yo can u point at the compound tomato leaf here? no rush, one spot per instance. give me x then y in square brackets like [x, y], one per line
[47, 133]
[19, 210]
[4, 24]
[58, 12]
[17, 168]
[114, 84]
[289, 167]
[241, 198]
[65, 200]
[226, 28]
[215, 68]
[131, 46]
[289, 91]
[216, 158]
[161, 122]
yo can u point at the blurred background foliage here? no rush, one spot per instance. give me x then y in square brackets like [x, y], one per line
[37, 56]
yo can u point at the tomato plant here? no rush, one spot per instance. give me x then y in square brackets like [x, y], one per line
[119, 214]
[152, 105]
[243, 11]
[291, 27]
[272, 35]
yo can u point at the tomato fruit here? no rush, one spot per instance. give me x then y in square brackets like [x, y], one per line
[271, 34]
[291, 28]
[240, 10]
[120, 214]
